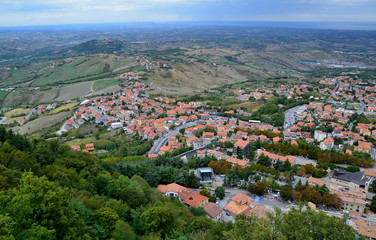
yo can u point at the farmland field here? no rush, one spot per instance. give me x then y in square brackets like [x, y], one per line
[65, 107]
[17, 112]
[74, 91]
[42, 122]
[3, 95]
[68, 70]
[105, 83]
[34, 97]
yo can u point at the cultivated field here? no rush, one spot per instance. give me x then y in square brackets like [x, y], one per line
[68, 70]
[65, 107]
[42, 122]
[74, 91]
[33, 98]
[16, 114]
[105, 83]
[3, 95]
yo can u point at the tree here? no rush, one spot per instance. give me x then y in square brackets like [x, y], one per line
[286, 166]
[298, 184]
[123, 231]
[373, 204]
[264, 160]
[199, 211]
[220, 192]
[159, 219]
[294, 224]
[259, 188]
[311, 195]
[373, 186]
[332, 200]
[107, 217]
[39, 206]
[286, 193]
[318, 172]
[309, 168]
[205, 192]
[278, 165]
[352, 169]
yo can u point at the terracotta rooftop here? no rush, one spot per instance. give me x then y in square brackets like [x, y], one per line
[195, 199]
[212, 209]
[241, 143]
[312, 180]
[172, 187]
[364, 145]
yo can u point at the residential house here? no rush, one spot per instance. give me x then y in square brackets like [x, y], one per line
[242, 147]
[213, 211]
[171, 189]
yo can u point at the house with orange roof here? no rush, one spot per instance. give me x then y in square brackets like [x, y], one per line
[242, 147]
[164, 149]
[213, 211]
[235, 161]
[364, 147]
[370, 174]
[274, 157]
[201, 153]
[196, 200]
[315, 181]
[90, 147]
[172, 189]
[242, 204]
[327, 144]
[152, 155]
[353, 204]
[76, 148]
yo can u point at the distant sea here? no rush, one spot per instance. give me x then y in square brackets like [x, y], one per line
[370, 26]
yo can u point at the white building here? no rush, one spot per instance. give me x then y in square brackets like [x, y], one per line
[319, 135]
[116, 125]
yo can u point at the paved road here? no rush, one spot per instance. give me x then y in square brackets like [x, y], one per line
[191, 152]
[160, 142]
[290, 116]
[30, 113]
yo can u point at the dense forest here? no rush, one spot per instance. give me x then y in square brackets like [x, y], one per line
[48, 191]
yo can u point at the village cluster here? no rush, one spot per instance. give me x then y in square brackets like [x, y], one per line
[325, 122]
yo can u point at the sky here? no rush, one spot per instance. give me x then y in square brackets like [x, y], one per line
[52, 12]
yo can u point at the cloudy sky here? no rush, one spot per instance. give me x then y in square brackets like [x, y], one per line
[47, 12]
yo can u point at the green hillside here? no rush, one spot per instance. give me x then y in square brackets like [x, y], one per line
[69, 70]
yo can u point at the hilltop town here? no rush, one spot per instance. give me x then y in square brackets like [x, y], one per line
[242, 162]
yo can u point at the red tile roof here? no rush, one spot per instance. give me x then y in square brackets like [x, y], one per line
[194, 200]
[241, 143]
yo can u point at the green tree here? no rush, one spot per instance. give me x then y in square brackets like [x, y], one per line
[199, 211]
[373, 204]
[373, 186]
[205, 192]
[352, 169]
[123, 232]
[159, 219]
[107, 217]
[220, 192]
[311, 195]
[38, 206]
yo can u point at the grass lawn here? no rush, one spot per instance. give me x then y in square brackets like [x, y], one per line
[69, 107]
[105, 83]
[3, 95]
